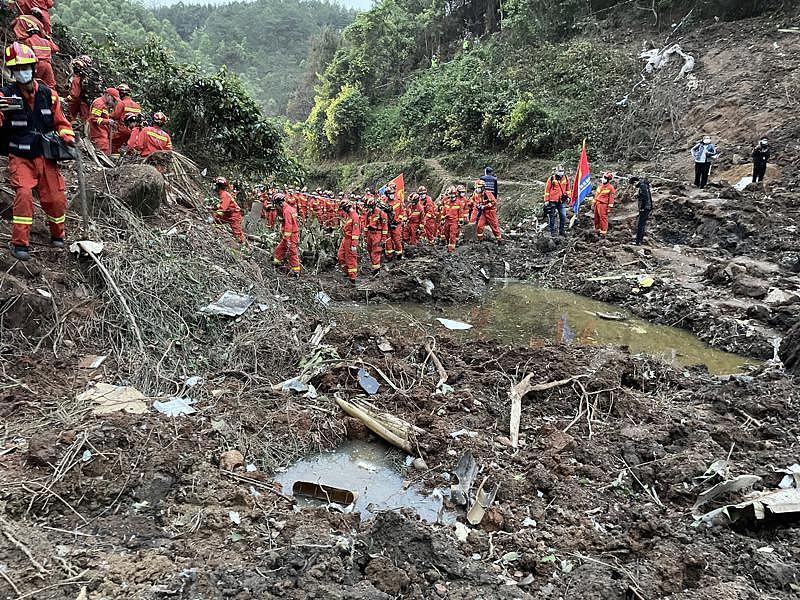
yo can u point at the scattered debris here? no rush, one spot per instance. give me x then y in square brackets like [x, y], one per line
[517, 392]
[466, 470]
[658, 59]
[92, 361]
[235, 517]
[461, 531]
[324, 492]
[87, 247]
[322, 298]
[484, 497]
[759, 506]
[615, 316]
[368, 383]
[454, 325]
[791, 479]
[732, 485]
[384, 345]
[465, 432]
[175, 407]
[230, 304]
[114, 398]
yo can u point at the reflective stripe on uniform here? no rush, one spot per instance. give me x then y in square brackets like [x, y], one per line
[60, 219]
[22, 220]
[158, 136]
[65, 131]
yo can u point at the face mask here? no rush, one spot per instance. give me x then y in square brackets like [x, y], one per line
[23, 76]
[604, 180]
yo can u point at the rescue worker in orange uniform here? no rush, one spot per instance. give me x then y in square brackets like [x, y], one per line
[429, 221]
[228, 211]
[397, 218]
[152, 138]
[125, 107]
[414, 210]
[39, 9]
[348, 249]
[557, 193]
[486, 212]
[44, 50]
[269, 206]
[29, 109]
[100, 122]
[78, 102]
[377, 227]
[453, 206]
[23, 23]
[288, 248]
[603, 202]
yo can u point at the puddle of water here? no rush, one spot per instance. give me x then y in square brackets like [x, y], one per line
[369, 469]
[522, 313]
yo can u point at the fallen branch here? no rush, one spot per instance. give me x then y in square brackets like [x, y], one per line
[518, 391]
[374, 425]
[4, 528]
[438, 364]
[124, 302]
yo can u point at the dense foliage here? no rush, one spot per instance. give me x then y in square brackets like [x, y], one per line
[463, 76]
[265, 41]
[211, 115]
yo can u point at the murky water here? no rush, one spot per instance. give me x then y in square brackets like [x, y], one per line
[522, 313]
[370, 469]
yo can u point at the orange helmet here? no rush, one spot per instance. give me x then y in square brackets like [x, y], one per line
[160, 118]
[422, 190]
[480, 183]
[221, 182]
[608, 175]
[18, 54]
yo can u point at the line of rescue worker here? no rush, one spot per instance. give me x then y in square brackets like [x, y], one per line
[31, 110]
[385, 222]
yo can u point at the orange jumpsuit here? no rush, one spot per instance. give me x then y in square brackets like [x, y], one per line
[44, 50]
[453, 215]
[411, 233]
[348, 249]
[397, 219]
[268, 211]
[287, 249]
[100, 125]
[151, 139]
[28, 169]
[430, 220]
[603, 203]
[25, 7]
[377, 226]
[126, 106]
[486, 213]
[24, 23]
[78, 107]
[229, 212]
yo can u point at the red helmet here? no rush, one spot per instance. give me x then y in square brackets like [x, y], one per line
[123, 88]
[480, 183]
[85, 59]
[36, 11]
[160, 118]
[18, 54]
[608, 175]
[221, 182]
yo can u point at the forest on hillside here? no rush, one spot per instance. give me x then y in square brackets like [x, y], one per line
[265, 42]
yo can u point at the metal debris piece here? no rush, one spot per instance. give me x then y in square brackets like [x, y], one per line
[368, 382]
[323, 492]
[466, 470]
[230, 304]
[732, 485]
[484, 496]
[175, 407]
[454, 325]
[92, 361]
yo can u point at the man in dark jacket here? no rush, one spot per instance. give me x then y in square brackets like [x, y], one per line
[645, 199]
[760, 160]
[491, 182]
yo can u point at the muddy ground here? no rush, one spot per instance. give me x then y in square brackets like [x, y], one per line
[595, 502]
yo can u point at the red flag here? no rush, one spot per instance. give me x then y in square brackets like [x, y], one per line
[582, 184]
[400, 185]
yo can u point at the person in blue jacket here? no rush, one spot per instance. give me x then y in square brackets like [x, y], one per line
[703, 153]
[491, 181]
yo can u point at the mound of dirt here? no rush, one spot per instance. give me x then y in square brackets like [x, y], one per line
[140, 186]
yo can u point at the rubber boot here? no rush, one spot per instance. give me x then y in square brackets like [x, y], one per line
[19, 252]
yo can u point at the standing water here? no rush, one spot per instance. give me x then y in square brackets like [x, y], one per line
[521, 313]
[370, 470]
